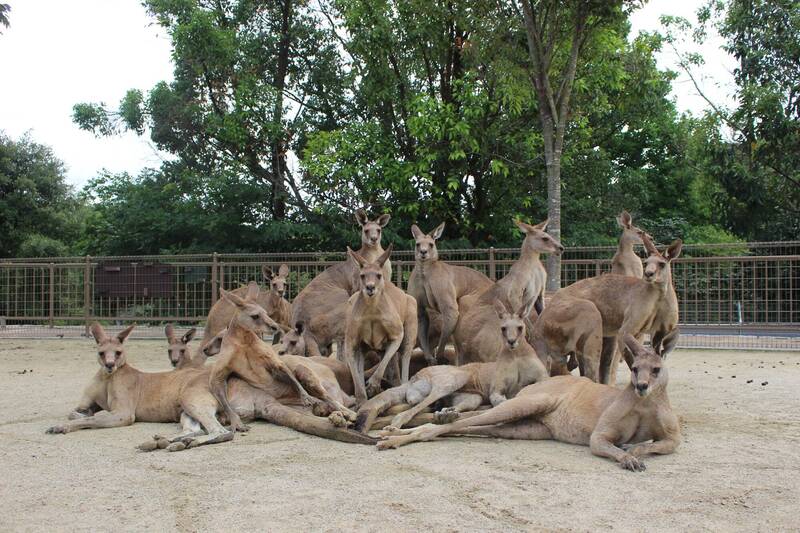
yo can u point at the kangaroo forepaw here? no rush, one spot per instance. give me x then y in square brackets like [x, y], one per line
[55, 430]
[239, 428]
[445, 416]
[176, 447]
[78, 414]
[340, 419]
[629, 462]
[373, 388]
[148, 446]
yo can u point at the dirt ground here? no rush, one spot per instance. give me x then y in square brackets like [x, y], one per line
[738, 468]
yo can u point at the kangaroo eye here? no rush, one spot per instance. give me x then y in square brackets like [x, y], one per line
[519, 328]
[545, 238]
[363, 276]
[100, 354]
[380, 276]
[254, 317]
[635, 371]
[503, 329]
[118, 353]
[655, 371]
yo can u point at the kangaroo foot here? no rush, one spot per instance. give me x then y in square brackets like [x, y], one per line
[148, 446]
[373, 388]
[445, 416]
[340, 419]
[629, 462]
[176, 447]
[77, 413]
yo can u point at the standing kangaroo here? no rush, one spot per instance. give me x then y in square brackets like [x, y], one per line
[439, 287]
[469, 385]
[318, 312]
[178, 348]
[626, 262]
[614, 423]
[380, 317]
[275, 304]
[477, 333]
[631, 305]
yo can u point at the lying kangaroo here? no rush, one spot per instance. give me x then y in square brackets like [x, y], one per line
[223, 311]
[625, 261]
[380, 317]
[470, 385]
[319, 309]
[614, 423]
[438, 286]
[119, 395]
[569, 327]
[477, 333]
[631, 305]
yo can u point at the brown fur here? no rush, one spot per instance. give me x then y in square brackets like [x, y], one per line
[614, 423]
[625, 261]
[469, 385]
[477, 332]
[438, 286]
[380, 317]
[631, 305]
[319, 310]
[223, 311]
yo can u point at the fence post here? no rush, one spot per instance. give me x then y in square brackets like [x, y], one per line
[399, 269]
[597, 268]
[87, 293]
[52, 294]
[492, 268]
[214, 283]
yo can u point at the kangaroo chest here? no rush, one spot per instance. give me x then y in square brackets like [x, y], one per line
[376, 333]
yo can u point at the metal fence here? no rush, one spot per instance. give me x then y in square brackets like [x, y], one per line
[730, 295]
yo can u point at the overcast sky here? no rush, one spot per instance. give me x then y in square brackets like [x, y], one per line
[57, 53]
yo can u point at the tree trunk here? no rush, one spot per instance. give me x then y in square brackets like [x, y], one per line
[554, 213]
[278, 145]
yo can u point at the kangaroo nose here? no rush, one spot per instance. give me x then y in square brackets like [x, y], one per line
[641, 387]
[109, 365]
[423, 253]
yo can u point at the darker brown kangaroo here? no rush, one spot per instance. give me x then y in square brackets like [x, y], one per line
[438, 286]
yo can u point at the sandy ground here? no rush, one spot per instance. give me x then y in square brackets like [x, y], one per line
[738, 468]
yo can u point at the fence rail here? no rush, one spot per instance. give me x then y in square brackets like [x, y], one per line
[753, 286]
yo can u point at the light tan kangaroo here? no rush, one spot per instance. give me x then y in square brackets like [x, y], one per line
[477, 334]
[380, 317]
[319, 309]
[631, 305]
[277, 306]
[469, 385]
[625, 261]
[569, 327]
[120, 395]
[178, 348]
[614, 423]
[222, 312]
[438, 286]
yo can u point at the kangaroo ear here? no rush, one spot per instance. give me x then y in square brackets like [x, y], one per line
[542, 225]
[670, 342]
[435, 234]
[360, 261]
[500, 309]
[299, 328]
[169, 331]
[252, 291]
[283, 270]
[416, 232]
[98, 332]
[361, 217]
[383, 220]
[232, 298]
[122, 335]
[674, 250]
[188, 336]
[267, 272]
[523, 227]
[385, 255]
[624, 220]
[647, 241]
[633, 345]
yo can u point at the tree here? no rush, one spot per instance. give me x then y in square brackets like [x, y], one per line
[39, 215]
[557, 33]
[5, 9]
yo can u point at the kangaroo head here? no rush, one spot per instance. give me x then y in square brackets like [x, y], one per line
[370, 274]
[425, 247]
[277, 282]
[512, 325]
[178, 349]
[657, 265]
[249, 314]
[630, 233]
[110, 350]
[293, 342]
[536, 240]
[371, 229]
[648, 372]
[214, 346]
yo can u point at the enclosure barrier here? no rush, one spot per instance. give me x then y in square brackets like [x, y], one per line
[730, 295]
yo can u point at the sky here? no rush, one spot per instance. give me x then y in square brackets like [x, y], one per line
[58, 53]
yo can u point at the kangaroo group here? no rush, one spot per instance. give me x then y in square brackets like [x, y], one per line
[354, 358]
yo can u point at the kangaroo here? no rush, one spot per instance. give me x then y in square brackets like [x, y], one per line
[569, 327]
[223, 311]
[631, 305]
[625, 262]
[119, 394]
[178, 348]
[380, 317]
[319, 309]
[477, 331]
[439, 286]
[469, 385]
[276, 305]
[614, 423]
